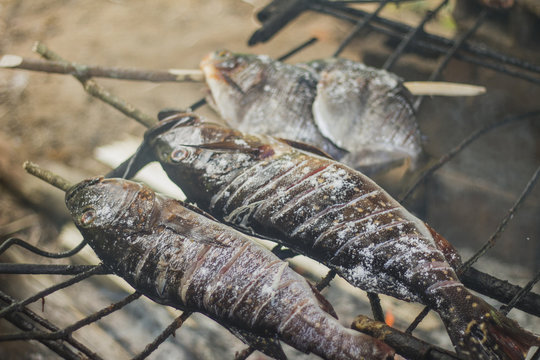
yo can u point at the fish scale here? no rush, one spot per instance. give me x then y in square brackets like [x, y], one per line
[288, 192]
[184, 259]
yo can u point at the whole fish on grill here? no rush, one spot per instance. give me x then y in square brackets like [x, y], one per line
[184, 259]
[291, 193]
[360, 115]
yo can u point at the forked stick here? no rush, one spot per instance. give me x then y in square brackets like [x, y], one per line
[433, 88]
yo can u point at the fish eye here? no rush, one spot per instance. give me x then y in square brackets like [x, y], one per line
[179, 154]
[88, 217]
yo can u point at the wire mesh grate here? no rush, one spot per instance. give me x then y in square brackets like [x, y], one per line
[274, 17]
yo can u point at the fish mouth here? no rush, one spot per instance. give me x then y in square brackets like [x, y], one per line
[82, 185]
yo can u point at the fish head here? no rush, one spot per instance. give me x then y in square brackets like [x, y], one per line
[116, 205]
[230, 76]
[200, 156]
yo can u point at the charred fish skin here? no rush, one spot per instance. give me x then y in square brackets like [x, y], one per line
[181, 258]
[256, 94]
[360, 115]
[335, 215]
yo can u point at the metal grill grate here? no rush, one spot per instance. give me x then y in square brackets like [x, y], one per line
[274, 17]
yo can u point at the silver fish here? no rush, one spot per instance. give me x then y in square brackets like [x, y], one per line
[359, 115]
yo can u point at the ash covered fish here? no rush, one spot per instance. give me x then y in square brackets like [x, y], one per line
[186, 260]
[359, 115]
[331, 213]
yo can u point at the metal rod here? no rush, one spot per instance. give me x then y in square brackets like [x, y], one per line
[505, 309]
[326, 280]
[15, 241]
[460, 147]
[502, 225]
[398, 29]
[61, 334]
[50, 326]
[18, 305]
[169, 330]
[359, 26]
[376, 308]
[391, 60]
[417, 320]
[49, 269]
[458, 43]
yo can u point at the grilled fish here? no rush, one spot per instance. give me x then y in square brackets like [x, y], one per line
[184, 259]
[360, 115]
[288, 192]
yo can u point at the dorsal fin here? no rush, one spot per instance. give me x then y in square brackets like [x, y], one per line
[306, 147]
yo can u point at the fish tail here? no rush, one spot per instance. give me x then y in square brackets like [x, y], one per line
[478, 331]
[326, 337]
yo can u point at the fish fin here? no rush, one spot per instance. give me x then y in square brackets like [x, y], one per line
[323, 303]
[168, 112]
[306, 147]
[449, 251]
[261, 151]
[267, 345]
[167, 123]
[478, 331]
[130, 167]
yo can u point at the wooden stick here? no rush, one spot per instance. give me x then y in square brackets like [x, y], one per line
[433, 88]
[80, 70]
[441, 88]
[47, 176]
[98, 91]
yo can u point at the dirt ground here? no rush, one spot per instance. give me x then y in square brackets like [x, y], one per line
[50, 120]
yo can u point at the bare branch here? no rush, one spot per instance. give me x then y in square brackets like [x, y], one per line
[47, 176]
[99, 92]
[405, 344]
[87, 71]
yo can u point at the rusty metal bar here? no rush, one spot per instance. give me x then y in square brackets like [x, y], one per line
[169, 330]
[48, 269]
[62, 334]
[18, 305]
[391, 60]
[502, 225]
[505, 309]
[462, 145]
[15, 241]
[49, 326]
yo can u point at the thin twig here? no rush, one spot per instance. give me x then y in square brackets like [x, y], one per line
[405, 344]
[169, 330]
[87, 71]
[47, 176]
[99, 92]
